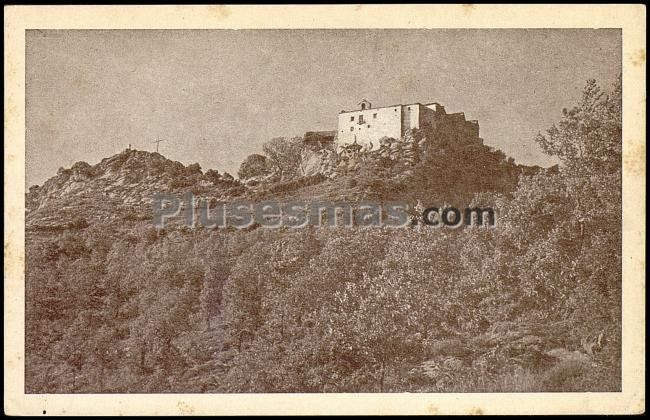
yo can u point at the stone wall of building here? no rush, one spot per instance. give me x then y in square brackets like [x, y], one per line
[376, 123]
[319, 139]
[410, 117]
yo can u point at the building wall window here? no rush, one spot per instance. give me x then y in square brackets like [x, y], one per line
[352, 118]
[351, 128]
[368, 125]
[374, 115]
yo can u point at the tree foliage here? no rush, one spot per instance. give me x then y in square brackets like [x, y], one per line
[588, 137]
[284, 156]
[253, 166]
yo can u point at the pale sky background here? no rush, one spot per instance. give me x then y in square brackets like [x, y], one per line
[215, 96]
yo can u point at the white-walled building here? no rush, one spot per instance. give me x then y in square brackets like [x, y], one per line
[367, 125]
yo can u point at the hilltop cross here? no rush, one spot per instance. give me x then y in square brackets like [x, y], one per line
[157, 143]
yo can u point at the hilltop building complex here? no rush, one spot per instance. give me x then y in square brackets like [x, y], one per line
[367, 125]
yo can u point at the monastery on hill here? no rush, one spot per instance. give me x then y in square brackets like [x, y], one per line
[367, 125]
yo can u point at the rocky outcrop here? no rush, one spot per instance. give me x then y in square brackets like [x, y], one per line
[320, 161]
[402, 153]
[121, 184]
[406, 149]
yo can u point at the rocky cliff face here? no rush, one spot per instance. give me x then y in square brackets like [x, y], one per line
[330, 163]
[314, 162]
[392, 160]
[121, 185]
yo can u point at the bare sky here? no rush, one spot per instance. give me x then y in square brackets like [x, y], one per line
[215, 96]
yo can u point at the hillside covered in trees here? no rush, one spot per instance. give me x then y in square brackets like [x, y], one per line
[114, 304]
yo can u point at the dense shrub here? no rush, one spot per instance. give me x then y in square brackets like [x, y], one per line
[254, 166]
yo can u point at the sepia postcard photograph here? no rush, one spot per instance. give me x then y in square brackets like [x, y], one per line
[350, 209]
